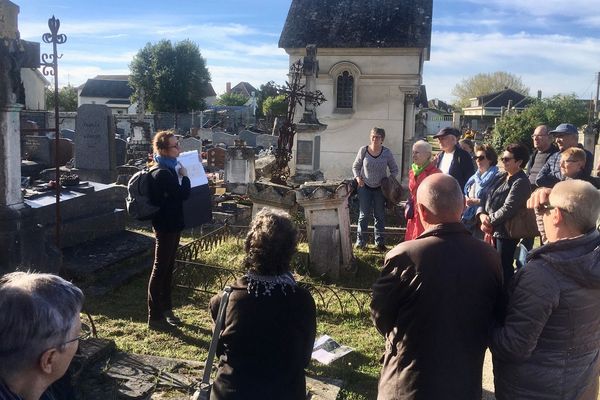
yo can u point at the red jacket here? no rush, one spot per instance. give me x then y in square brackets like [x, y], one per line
[414, 227]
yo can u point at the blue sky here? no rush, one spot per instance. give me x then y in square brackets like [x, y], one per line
[553, 45]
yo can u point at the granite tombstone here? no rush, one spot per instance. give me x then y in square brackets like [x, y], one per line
[95, 155]
[37, 148]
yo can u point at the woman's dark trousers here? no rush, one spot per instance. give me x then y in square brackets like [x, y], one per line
[506, 248]
[159, 287]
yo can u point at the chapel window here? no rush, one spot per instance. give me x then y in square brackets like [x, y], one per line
[345, 90]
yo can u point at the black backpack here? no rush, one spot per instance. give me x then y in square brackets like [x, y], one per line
[139, 205]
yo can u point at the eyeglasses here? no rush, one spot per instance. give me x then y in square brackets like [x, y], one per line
[376, 137]
[545, 208]
[505, 159]
[86, 332]
[478, 158]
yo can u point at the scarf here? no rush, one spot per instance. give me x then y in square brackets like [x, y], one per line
[418, 169]
[264, 284]
[483, 180]
[166, 162]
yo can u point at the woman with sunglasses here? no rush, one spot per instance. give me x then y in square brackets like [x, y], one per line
[508, 194]
[486, 159]
[167, 193]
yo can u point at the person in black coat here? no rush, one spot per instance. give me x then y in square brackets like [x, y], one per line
[270, 322]
[453, 160]
[507, 195]
[168, 193]
[435, 302]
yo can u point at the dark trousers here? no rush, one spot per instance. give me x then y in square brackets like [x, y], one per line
[159, 286]
[506, 248]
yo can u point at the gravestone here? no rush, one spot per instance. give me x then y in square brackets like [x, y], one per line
[225, 138]
[215, 158]
[95, 156]
[205, 134]
[239, 169]
[120, 151]
[248, 137]
[190, 144]
[65, 151]
[266, 141]
[37, 148]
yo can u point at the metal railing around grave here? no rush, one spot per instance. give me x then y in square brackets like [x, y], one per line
[192, 274]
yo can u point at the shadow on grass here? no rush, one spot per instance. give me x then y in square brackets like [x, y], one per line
[347, 369]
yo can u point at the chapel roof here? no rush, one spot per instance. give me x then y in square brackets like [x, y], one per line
[118, 89]
[358, 24]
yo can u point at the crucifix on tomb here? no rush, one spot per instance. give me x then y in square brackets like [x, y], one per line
[296, 93]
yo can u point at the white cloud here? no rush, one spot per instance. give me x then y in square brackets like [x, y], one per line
[544, 7]
[551, 63]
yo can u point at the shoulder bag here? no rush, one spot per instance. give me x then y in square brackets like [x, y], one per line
[522, 225]
[203, 393]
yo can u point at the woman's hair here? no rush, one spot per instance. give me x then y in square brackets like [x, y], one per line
[270, 243]
[378, 131]
[519, 152]
[574, 153]
[161, 140]
[489, 151]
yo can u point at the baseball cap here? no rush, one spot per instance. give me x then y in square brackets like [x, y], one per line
[447, 131]
[565, 129]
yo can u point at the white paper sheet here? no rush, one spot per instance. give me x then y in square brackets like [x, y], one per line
[326, 350]
[190, 160]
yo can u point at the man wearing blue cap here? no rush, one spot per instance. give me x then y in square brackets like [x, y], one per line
[566, 136]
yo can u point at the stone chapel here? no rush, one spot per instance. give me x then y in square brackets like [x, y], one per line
[370, 55]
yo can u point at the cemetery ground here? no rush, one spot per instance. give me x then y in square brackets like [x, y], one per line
[122, 317]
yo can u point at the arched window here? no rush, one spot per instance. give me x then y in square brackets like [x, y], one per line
[345, 90]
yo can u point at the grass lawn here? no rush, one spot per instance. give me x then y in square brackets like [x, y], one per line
[121, 316]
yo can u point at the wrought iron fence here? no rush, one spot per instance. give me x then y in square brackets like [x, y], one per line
[193, 274]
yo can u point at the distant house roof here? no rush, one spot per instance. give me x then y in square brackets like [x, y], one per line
[502, 98]
[437, 104]
[112, 77]
[358, 24]
[103, 87]
[244, 88]
[118, 102]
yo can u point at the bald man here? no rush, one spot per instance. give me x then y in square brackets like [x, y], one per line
[436, 299]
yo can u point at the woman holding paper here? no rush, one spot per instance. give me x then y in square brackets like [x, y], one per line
[167, 193]
[270, 322]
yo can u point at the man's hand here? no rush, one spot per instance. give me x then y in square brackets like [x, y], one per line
[538, 197]
[360, 181]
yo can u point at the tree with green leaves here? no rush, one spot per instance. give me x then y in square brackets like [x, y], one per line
[274, 106]
[518, 127]
[269, 89]
[486, 83]
[231, 99]
[67, 98]
[170, 78]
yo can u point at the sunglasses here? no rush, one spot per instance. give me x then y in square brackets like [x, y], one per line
[505, 159]
[478, 158]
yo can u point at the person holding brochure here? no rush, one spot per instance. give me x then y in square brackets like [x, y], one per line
[168, 193]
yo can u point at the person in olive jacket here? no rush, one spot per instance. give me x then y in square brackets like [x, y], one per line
[169, 194]
[435, 303]
[549, 345]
